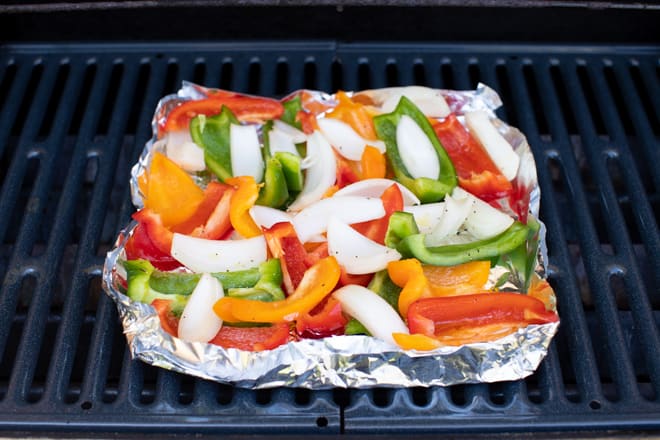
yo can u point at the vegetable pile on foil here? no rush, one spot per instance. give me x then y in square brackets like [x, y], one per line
[399, 222]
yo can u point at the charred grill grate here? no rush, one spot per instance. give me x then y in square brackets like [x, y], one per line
[73, 118]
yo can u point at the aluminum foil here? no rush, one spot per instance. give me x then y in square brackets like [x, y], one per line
[339, 361]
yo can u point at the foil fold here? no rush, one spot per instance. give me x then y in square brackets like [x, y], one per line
[338, 361]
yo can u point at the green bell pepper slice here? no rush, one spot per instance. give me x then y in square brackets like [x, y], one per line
[212, 133]
[291, 167]
[269, 286]
[274, 192]
[426, 189]
[401, 225]
[138, 273]
[291, 109]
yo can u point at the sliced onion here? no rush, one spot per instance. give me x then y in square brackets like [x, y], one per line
[281, 142]
[246, 159]
[498, 148]
[372, 311]
[313, 220]
[429, 101]
[320, 175]
[454, 215]
[266, 217]
[180, 147]
[201, 255]
[416, 150]
[346, 140]
[356, 253]
[292, 132]
[426, 216]
[375, 188]
[198, 322]
[483, 221]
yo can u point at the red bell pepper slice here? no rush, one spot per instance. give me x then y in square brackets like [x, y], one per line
[475, 169]
[432, 316]
[284, 244]
[361, 280]
[245, 108]
[346, 172]
[327, 322]
[252, 338]
[159, 235]
[307, 121]
[168, 321]
[140, 246]
[376, 229]
[213, 194]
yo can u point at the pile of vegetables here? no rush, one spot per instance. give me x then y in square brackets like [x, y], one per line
[377, 213]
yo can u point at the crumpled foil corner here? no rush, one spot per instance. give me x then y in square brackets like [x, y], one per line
[338, 361]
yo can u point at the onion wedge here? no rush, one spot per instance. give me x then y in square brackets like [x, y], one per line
[180, 147]
[201, 255]
[346, 140]
[292, 132]
[426, 216]
[246, 159]
[372, 311]
[198, 322]
[416, 150]
[265, 216]
[279, 141]
[455, 212]
[498, 148]
[483, 221]
[320, 175]
[375, 188]
[429, 101]
[313, 220]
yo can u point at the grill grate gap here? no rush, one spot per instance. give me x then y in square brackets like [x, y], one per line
[254, 78]
[564, 100]
[7, 82]
[199, 74]
[457, 395]
[497, 393]
[263, 397]
[171, 75]
[226, 75]
[148, 391]
[381, 397]
[186, 390]
[310, 74]
[282, 77]
[447, 75]
[392, 74]
[53, 103]
[535, 97]
[419, 73]
[474, 74]
[619, 100]
[364, 75]
[592, 102]
[302, 396]
[26, 104]
[337, 75]
[504, 90]
[140, 91]
[618, 183]
[81, 105]
[225, 394]
[420, 396]
[107, 108]
[83, 347]
[119, 346]
[341, 397]
[29, 179]
[534, 393]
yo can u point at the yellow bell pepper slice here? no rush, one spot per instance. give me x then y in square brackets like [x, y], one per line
[247, 192]
[318, 281]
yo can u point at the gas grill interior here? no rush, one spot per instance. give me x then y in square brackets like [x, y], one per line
[75, 114]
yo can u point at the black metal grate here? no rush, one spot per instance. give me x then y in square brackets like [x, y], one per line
[73, 118]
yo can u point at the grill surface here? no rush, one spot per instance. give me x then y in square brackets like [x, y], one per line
[73, 118]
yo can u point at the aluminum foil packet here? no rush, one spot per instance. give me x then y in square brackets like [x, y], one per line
[339, 361]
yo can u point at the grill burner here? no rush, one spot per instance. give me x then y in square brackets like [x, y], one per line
[74, 118]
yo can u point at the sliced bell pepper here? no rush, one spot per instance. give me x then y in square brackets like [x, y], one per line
[284, 244]
[457, 280]
[382, 285]
[168, 320]
[291, 108]
[159, 235]
[475, 169]
[409, 275]
[434, 316]
[274, 192]
[355, 114]
[270, 282]
[373, 164]
[307, 122]
[327, 322]
[361, 280]
[171, 192]
[138, 289]
[292, 170]
[318, 282]
[245, 108]
[347, 172]
[140, 247]
[376, 229]
[213, 135]
[426, 189]
[401, 225]
[247, 192]
[211, 218]
[450, 255]
[252, 338]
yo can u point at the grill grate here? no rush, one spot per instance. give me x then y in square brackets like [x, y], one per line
[73, 118]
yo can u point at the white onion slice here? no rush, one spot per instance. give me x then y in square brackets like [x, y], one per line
[346, 140]
[180, 148]
[429, 101]
[372, 311]
[202, 255]
[498, 148]
[426, 216]
[356, 253]
[313, 220]
[198, 322]
[416, 150]
[483, 221]
[265, 216]
[246, 159]
[292, 132]
[320, 175]
[455, 212]
[281, 142]
[375, 188]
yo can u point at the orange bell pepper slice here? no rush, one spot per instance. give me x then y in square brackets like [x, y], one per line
[358, 116]
[171, 192]
[455, 337]
[318, 282]
[372, 164]
[247, 192]
[409, 275]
